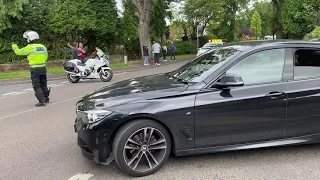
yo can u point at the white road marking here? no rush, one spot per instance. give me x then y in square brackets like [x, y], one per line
[81, 177]
[65, 82]
[10, 93]
[120, 74]
[30, 89]
[55, 85]
[39, 108]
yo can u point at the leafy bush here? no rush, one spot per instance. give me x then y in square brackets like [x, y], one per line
[183, 47]
[315, 34]
[10, 57]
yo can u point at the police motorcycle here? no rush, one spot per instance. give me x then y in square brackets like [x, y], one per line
[95, 67]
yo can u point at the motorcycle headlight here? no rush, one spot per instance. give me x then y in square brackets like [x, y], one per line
[95, 115]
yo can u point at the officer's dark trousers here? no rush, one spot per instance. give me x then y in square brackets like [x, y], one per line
[39, 83]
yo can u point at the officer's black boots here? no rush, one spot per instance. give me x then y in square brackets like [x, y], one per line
[40, 104]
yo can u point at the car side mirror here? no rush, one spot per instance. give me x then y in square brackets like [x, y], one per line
[229, 80]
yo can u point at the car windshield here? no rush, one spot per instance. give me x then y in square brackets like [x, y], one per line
[201, 67]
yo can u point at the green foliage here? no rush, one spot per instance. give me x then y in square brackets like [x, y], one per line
[70, 17]
[266, 12]
[299, 17]
[129, 30]
[10, 9]
[256, 24]
[202, 11]
[157, 19]
[185, 48]
[227, 29]
[205, 39]
[10, 57]
[315, 34]
[130, 22]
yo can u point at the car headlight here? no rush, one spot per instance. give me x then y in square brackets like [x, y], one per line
[95, 115]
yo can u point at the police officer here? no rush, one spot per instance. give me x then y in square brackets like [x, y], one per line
[37, 55]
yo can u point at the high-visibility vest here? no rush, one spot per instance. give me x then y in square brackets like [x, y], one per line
[37, 54]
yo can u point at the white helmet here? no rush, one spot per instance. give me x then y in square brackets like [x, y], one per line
[31, 35]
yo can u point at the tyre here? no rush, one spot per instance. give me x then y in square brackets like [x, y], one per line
[73, 79]
[141, 147]
[108, 77]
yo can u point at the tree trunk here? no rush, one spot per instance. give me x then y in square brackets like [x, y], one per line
[233, 20]
[279, 29]
[143, 10]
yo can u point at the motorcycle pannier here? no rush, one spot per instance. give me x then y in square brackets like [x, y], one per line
[68, 66]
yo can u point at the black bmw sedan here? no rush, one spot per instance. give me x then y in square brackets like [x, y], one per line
[239, 96]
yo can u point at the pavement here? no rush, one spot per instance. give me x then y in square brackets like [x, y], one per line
[40, 144]
[135, 67]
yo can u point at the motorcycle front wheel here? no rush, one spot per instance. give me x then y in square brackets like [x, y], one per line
[73, 79]
[107, 77]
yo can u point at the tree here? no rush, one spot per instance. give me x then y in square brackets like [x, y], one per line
[228, 24]
[256, 24]
[201, 12]
[130, 24]
[266, 12]
[299, 17]
[143, 8]
[71, 18]
[91, 21]
[159, 12]
[278, 6]
[33, 17]
[130, 29]
[10, 9]
[180, 25]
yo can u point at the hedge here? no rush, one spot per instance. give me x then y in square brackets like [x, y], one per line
[10, 57]
[184, 47]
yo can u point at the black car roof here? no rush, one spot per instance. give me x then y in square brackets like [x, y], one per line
[244, 45]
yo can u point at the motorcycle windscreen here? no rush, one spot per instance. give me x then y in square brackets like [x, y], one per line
[100, 53]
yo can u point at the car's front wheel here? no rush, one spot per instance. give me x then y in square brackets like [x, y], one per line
[141, 147]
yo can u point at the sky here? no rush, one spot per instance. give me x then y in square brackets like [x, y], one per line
[119, 4]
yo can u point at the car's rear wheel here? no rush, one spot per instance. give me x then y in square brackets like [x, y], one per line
[141, 147]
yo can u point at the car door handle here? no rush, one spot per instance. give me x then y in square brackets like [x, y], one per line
[274, 95]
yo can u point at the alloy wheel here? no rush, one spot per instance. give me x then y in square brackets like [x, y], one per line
[145, 149]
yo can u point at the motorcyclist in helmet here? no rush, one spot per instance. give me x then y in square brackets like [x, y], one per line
[37, 55]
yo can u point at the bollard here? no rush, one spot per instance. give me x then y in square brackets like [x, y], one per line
[125, 59]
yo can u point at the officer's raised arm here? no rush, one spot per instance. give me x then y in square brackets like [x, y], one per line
[23, 51]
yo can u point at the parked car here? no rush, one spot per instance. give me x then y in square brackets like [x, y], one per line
[242, 95]
[207, 47]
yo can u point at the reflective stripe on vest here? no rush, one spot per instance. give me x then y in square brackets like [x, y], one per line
[35, 52]
[37, 65]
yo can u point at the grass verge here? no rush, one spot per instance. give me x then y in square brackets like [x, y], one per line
[50, 71]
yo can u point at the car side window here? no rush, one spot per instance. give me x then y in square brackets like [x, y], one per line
[260, 68]
[307, 63]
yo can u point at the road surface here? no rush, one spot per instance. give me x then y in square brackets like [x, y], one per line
[40, 144]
